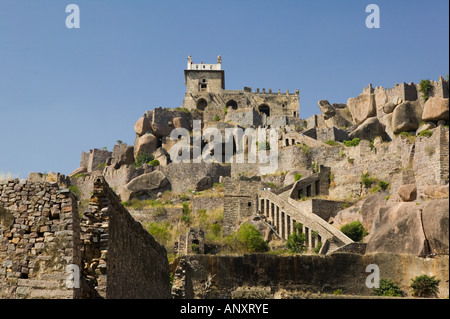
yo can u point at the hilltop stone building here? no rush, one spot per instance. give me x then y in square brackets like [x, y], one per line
[205, 91]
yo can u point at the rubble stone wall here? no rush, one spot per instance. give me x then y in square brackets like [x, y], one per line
[39, 235]
[222, 275]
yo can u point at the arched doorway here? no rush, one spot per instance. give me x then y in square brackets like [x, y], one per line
[202, 104]
[232, 103]
[264, 108]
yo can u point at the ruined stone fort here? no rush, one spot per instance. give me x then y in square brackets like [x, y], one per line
[134, 223]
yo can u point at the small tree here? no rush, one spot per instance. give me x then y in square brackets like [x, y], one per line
[425, 286]
[354, 230]
[424, 88]
[250, 238]
[388, 288]
[296, 240]
[143, 158]
[154, 162]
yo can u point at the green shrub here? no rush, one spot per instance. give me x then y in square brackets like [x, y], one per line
[337, 292]
[316, 167]
[297, 176]
[225, 110]
[216, 229]
[75, 190]
[424, 88]
[186, 214]
[318, 246]
[388, 288]
[354, 230]
[332, 143]
[182, 109]
[195, 248]
[372, 144]
[425, 286]
[187, 219]
[263, 146]
[305, 149]
[143, 158]
[216, 118]
[296, 240]
[404, 134]
[184, 197]
[186, 209]
[154, 162]
[383, 185]
[251, 239]
[354, 142]
[426, 133]
[160, 231]
[367, 180]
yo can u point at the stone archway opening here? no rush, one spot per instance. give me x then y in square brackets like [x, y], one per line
[202, 104]
[232, 103]
[264, 108]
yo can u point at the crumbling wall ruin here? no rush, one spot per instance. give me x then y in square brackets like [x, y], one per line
[48, 251]
[221, 276]
[39, 240]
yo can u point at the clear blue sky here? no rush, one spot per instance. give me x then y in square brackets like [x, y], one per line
[64, 91]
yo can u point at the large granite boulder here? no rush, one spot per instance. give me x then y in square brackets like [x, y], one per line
[370, 208]
[389, 107]
[406, 117]
[162, 156]
[367, 130]
[143, 126]
[408, 228]
[147, 143]
[180, 122]
[144, 185]
[326, 109]
[436, 109]
[407, 192]
[362, 107]
[204, 183]
[435, 219]
[336, 115]
[122, 154]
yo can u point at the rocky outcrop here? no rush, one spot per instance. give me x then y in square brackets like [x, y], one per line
[122, 154]
[407, 192]
[435, 219]
[144, 185]
[362, 107]
[408, 228]
[436, 109]
[406, 117]
[335, 115]
[368, 129]
[142, 126]
[147, 143]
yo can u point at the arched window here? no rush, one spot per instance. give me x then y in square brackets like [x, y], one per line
[264, 108]
[233, 104]
[202, 84]
[202, 104]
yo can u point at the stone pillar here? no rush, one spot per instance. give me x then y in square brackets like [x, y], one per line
[277, 217]
[288, 226]
[310, 242]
